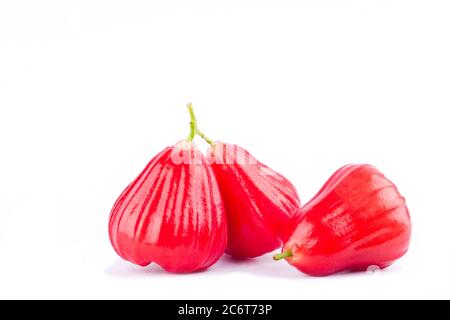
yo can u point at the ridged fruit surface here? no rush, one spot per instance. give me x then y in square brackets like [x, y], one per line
[171, 214]
[357, 220]
[259, 201]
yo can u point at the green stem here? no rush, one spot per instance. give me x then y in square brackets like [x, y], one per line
[202, 135]
[194, 128]
[283, 255]
[193, 123]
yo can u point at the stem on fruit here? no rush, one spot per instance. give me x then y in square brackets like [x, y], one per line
[283, 255]
[194, 128]
[193, 123]
[202, 135]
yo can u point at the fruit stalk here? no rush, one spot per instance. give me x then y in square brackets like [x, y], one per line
[194, 127]
[282, 255]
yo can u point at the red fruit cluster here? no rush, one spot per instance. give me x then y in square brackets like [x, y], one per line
[185, 210]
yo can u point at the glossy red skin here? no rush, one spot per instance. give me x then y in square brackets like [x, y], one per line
[171, 214]
[357, 220]
[259, 202]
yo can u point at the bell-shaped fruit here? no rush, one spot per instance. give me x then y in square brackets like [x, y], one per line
[171, 214]
[357, 221]
[259, 201]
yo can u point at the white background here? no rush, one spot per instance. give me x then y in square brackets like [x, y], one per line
[90, 91]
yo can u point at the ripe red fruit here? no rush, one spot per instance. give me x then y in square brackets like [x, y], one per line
[357, 220]
[171, 214]
[259, 202]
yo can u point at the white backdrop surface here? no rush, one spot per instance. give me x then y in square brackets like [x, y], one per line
[90, 91]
